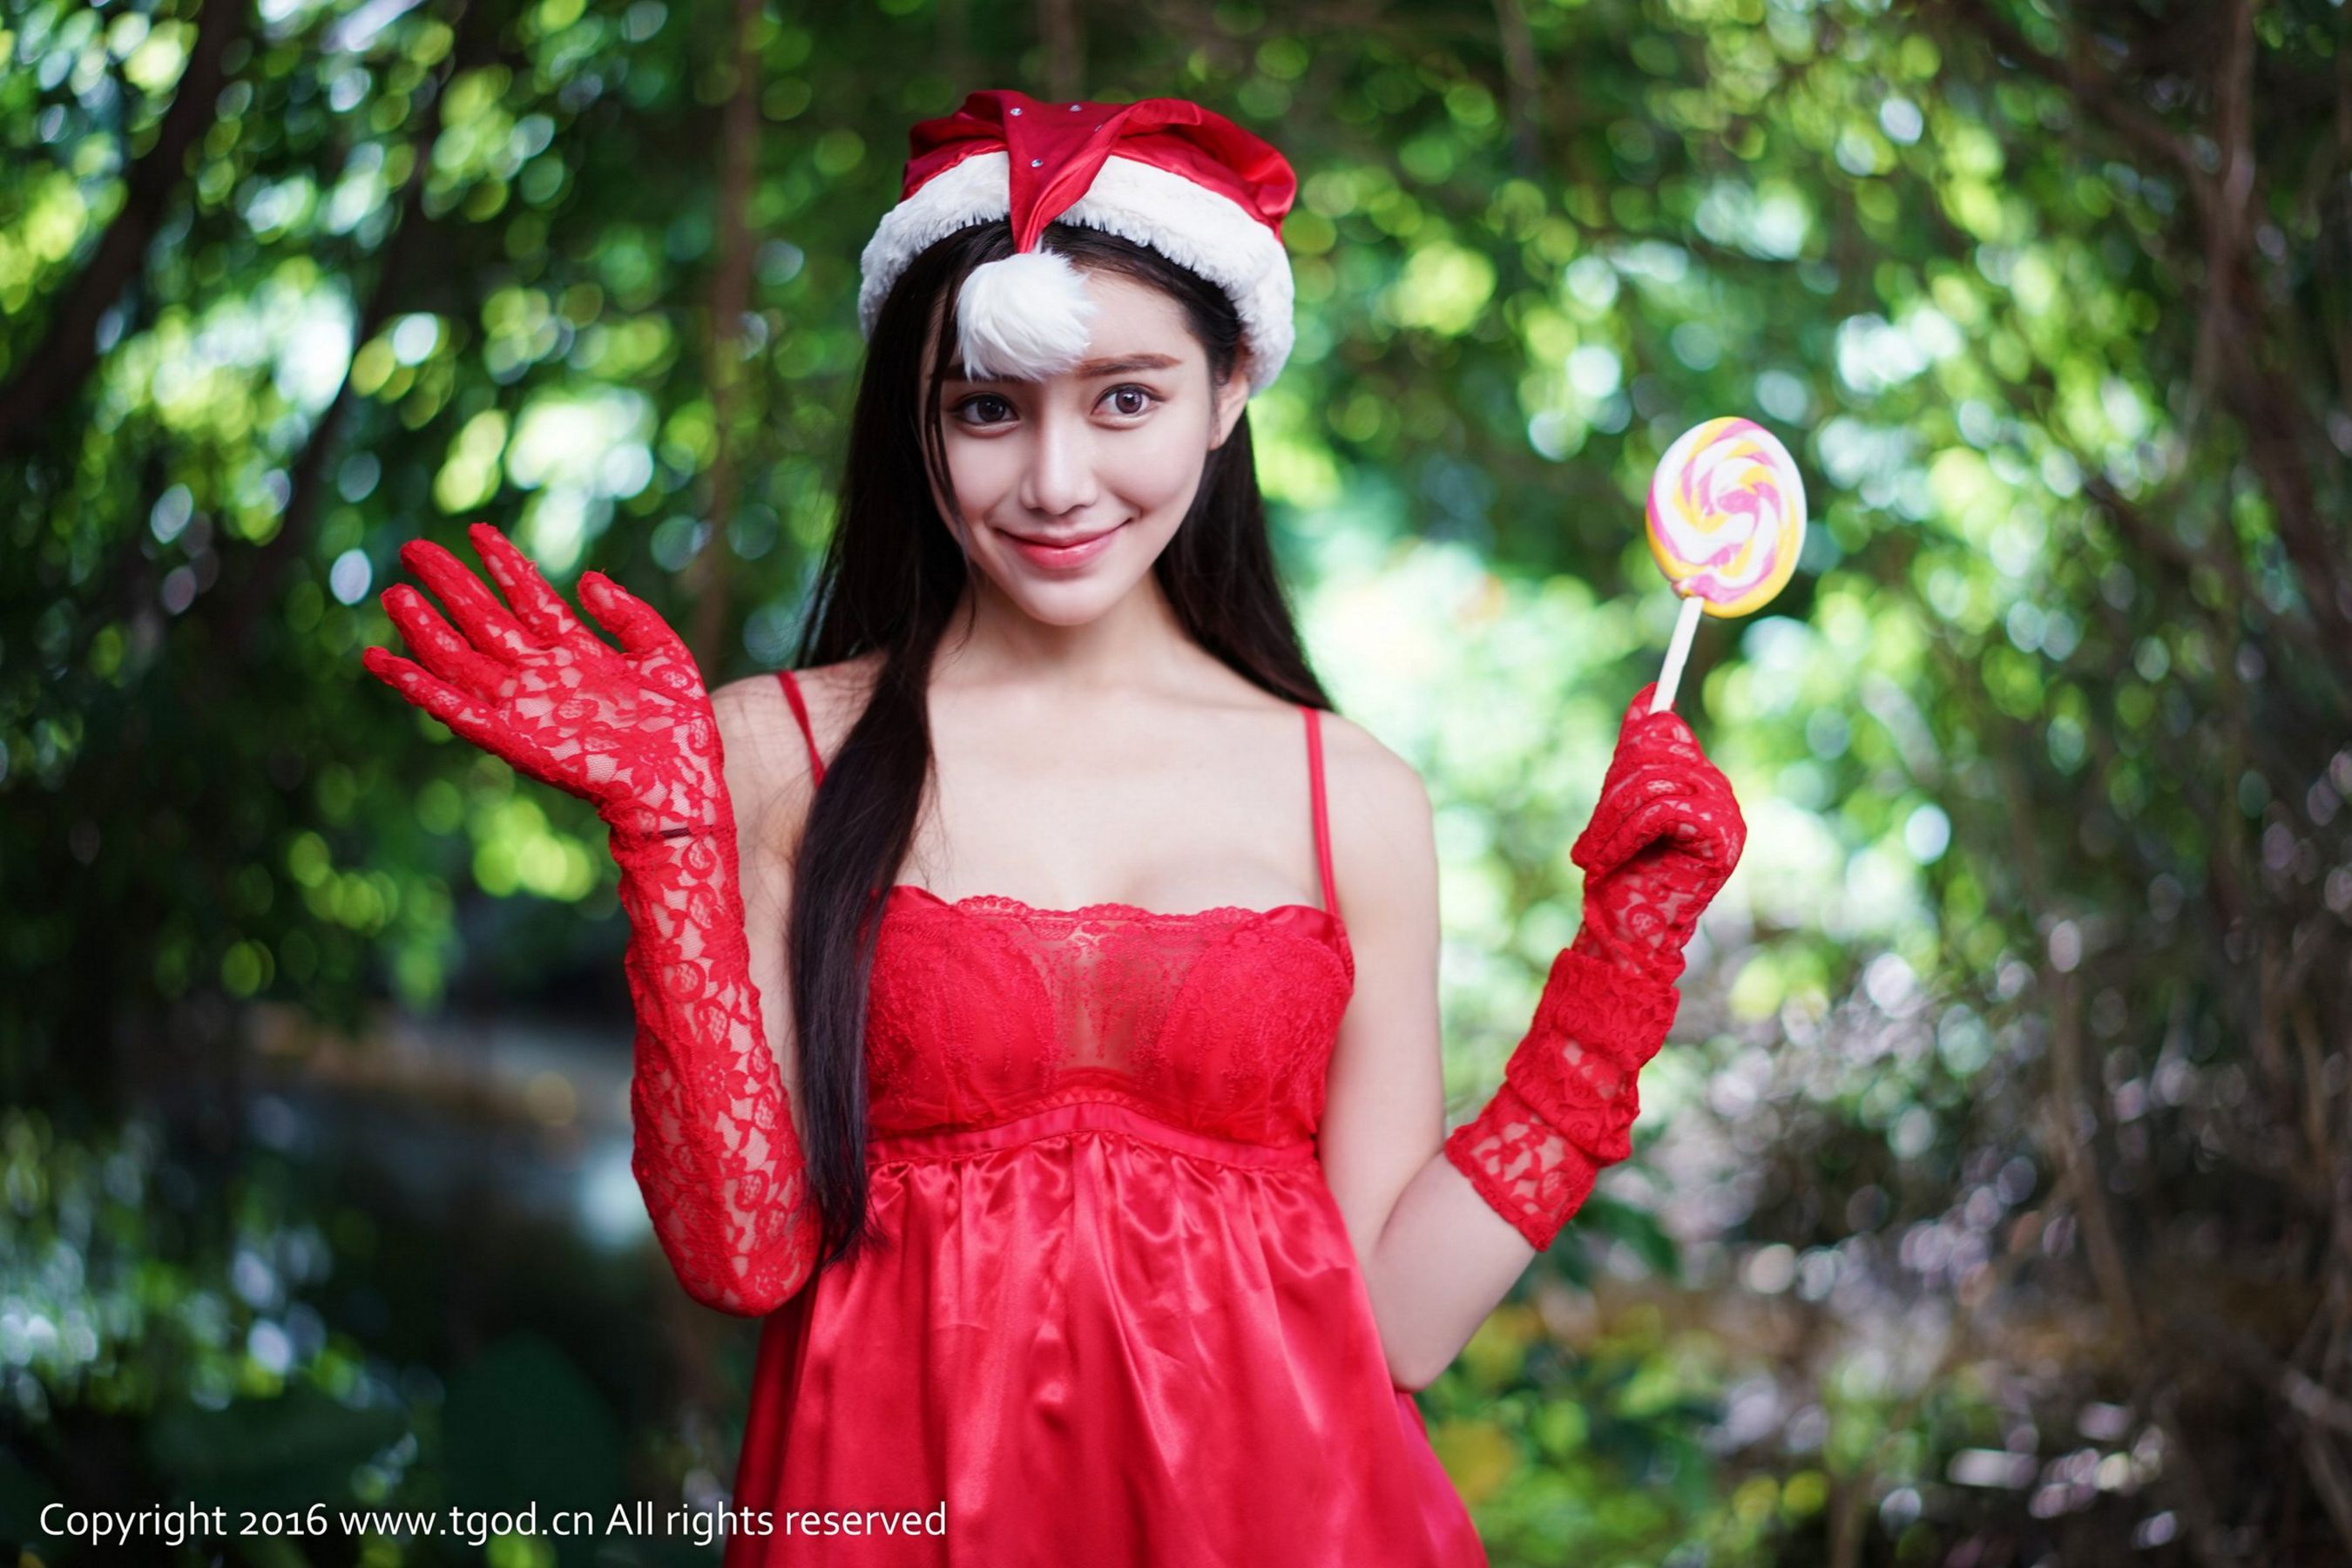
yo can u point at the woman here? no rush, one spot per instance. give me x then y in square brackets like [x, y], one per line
[1095, 1187]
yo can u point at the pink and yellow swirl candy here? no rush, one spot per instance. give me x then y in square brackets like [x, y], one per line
[1728, 515]
[1726, 521]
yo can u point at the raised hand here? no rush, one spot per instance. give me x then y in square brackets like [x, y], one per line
[716, 1152]
[629, 729]
[1662, 839]
[1665, 836]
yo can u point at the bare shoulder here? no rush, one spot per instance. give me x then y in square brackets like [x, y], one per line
[836, 694]
[767, 756]
[767, 765]
[752, 712]
[770, 776]
[1384, 845]
[1382, 792]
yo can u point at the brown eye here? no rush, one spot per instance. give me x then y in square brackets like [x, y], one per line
[975, 401]
[1143, 406]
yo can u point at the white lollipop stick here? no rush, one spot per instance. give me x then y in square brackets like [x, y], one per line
[1686, 626]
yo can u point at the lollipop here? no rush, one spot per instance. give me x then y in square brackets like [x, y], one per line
[1727, 521]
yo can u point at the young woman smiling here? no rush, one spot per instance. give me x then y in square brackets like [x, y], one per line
[1001, 1038]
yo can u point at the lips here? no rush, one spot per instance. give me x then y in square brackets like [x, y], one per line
[1063, 541]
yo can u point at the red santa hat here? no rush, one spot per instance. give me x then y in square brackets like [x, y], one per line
[1163, 172]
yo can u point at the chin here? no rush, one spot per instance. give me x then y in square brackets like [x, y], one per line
[1071, 605]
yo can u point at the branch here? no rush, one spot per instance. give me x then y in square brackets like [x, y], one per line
[2319, 1411]
[1060, 30]
[1522, 81]
[396, 275]
[2091, 85]
[730, 299]
[50, 379]
[2280, 436]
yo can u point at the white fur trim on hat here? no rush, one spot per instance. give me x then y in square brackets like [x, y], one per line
[1186, 222]
[1024, 316]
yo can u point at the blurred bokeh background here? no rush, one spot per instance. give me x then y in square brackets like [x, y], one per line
[1993, 1204]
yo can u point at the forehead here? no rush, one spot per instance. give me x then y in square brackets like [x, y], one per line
[1131, 320]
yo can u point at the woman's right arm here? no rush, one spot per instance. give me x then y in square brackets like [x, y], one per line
[770, 784]
[716, 1152]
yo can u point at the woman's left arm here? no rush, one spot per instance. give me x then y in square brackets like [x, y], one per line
[1443, 1225]
[1436, 1258]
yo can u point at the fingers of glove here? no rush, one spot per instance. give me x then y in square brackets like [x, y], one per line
[1625, 834]
[1661, 737]
[1712, 800]
[470, 604]
[1639, 720]
[1692, 832]
[635, 624]
[1671, 823]
[1665, 732]
[450, 658]
[1661, 754]
[1639, 775]
[1684, 852]
[1713, 832]
[538, 608]
[1605, 841]
[466, 716]
[1628, 789]
[1728, 829]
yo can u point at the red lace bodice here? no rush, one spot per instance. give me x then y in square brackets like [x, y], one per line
[1220, 1021]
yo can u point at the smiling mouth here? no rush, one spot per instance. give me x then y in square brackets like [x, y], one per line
[1062, 543]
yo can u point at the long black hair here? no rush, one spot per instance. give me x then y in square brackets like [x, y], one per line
[891, 579]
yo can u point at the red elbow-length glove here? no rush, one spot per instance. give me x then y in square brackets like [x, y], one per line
[1664, 837]
[631, 732]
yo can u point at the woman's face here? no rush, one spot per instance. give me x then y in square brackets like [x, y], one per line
[1110, 452]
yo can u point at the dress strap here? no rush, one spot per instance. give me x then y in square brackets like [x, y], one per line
[1322, 816]
[800, 711]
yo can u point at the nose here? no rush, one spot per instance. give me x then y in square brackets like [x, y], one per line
[1061, 474]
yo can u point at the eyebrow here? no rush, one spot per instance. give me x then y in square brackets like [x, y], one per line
[1124, 365]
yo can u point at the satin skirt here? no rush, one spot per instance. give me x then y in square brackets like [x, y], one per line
[1089, 1336]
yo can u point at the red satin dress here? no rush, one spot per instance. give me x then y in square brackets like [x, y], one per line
[1116, 1317]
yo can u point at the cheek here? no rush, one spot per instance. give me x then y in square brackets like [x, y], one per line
[1155, 475]
[983, 471]
[1160, 470]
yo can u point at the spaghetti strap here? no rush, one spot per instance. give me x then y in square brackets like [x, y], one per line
[1322, 816]
[800, 711]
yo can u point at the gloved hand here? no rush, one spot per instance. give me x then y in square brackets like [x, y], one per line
[630, 730]
[1664, 834]
[715, 1154]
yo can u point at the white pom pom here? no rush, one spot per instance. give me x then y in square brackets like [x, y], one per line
[1024, 317]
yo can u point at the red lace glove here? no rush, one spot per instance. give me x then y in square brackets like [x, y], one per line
[631, 732]
[1662, 840]
[1664, 834]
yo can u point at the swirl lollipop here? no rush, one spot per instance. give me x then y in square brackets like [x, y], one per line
[1727, 520]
